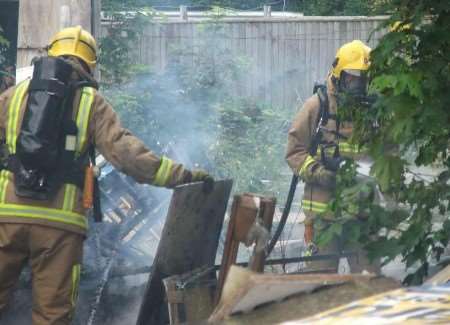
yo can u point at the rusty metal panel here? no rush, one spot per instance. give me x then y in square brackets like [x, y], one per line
[189, 240]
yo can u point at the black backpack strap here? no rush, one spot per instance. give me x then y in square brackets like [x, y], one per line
[322, 117]
[324, 112]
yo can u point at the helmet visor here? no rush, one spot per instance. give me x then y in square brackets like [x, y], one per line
[353, 82]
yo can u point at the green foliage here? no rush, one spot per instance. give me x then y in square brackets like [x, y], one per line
[407, 130]
[249, 146]
[4, 44]
[116, 48]
[343, 7]
[313, 7]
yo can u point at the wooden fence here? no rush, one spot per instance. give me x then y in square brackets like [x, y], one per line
[39, 20]
[285, 56]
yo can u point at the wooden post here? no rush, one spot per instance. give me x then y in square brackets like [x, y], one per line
[267, 210]
[230, 248]
[267, 11]
[183, 13]
[190, 296]
[248, 211]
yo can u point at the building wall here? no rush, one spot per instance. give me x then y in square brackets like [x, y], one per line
[286, 57]
[40, 19]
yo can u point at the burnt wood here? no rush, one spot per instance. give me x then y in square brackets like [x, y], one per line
[189, 240]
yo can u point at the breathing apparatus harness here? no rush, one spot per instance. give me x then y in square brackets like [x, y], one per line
[45, 156]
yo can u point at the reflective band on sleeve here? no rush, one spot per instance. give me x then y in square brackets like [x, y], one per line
[345, 147]
[3, 183]
[308, 161]
[13, 116]
[87, 98]
[33, 212]
[314, 206]
[76, 271]
[163, 174]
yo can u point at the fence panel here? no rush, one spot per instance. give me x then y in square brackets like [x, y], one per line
[286, 57]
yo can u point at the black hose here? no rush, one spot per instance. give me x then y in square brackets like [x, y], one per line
[284, 216]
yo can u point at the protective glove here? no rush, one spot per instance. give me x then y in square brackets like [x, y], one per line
[318, 174]
[333, 163]
[199, 175]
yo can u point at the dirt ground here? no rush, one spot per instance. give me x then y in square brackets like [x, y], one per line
[304, 305]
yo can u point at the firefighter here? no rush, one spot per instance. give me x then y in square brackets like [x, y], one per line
[318, 144]
[42, 218]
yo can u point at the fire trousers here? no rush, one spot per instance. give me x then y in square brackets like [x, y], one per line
[357, 259]
[54, 256]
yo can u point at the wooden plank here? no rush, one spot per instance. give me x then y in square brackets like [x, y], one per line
[247, 50]
[266, 212]
[291, 78]
[189, 240]
[248, 212]
[95, 19]
[162, 47]
[255, 82]
[284, 65]
[275, 65]
[234, 53]
[301, 38]
[156, 47]
[330, 47]
[280, 64]
[336, 33]
[268, 62]
[353, 30]
[149, 48]
[309, 54]
[240, 35]
[169, 41]
[230, 248]
[244, 290]
[442, 277]
[46, 17]
[261, 63]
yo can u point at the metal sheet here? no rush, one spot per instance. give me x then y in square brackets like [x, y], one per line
[189, 240]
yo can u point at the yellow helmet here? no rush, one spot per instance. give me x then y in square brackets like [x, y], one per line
[351, 56]
[74, 41]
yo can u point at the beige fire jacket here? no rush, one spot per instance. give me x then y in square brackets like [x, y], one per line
[118, 145]
[6, 82]
[300, 136]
